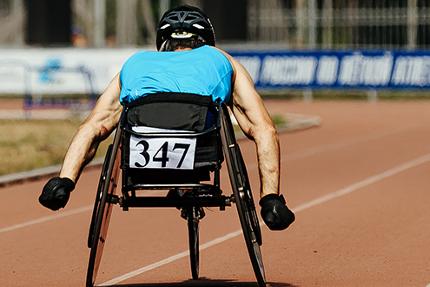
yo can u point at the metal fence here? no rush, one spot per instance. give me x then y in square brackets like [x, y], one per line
[297, 24]
[340, 24]
[11, 22]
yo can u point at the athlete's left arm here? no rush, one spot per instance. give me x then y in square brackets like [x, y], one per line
[254, 120]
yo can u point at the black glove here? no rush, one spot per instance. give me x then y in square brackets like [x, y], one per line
[56, 192]
[275, 213]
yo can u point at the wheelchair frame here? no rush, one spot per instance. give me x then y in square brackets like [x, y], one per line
[202, 195]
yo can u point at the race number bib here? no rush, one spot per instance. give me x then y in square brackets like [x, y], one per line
[169, 153]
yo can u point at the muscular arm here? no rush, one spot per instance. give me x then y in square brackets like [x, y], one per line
[254, 120]
[97, 127]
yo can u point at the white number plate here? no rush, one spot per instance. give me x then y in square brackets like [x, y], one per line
[168, 153]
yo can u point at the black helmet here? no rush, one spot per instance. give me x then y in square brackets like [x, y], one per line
[185, 18]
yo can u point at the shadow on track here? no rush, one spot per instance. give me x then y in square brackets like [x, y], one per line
[203, 282]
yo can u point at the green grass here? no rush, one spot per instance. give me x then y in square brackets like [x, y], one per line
[30, 144]
[279, 120]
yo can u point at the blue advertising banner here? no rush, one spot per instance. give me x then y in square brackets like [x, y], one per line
[337, 69]
[80, 71]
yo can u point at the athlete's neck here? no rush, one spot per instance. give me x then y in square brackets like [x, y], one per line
[182, 49]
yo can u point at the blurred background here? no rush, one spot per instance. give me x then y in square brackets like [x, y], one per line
[295, 24]
[33, 32]
[57, 56]
[77, 46]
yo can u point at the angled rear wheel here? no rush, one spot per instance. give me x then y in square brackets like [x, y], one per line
[243, 197]
[250, 226]
[98, 196]
[193, 236]
[102, 210]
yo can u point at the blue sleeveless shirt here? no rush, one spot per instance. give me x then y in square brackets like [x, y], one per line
[204, 71]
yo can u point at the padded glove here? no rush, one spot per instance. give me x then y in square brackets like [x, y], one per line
[56, 192]
[275, 212]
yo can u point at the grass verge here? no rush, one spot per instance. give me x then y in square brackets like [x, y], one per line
[30, 144]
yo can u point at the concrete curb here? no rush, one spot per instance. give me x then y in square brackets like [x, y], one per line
[20, 177]
[299, 122]
[52, 114]
[295, 122]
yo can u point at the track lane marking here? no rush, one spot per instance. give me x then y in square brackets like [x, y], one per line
[294, 156]
[170, 259]
[317, 201]
[365, 182]
[290, 157]
[346, 143]
[46, 219]
[327, 197]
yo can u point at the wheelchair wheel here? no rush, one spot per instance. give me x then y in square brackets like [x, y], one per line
[249, 200]
[250, 226]
[102, 212]
[193, 237]
[98, 196]
[243, 197]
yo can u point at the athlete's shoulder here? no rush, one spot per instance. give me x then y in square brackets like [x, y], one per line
[214, 50]
[226, 55]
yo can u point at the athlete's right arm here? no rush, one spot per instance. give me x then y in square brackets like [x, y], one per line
[98, 126]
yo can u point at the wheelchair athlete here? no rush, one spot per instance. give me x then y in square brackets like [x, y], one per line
[188, 62]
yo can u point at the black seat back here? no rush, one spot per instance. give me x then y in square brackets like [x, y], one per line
[174, 115]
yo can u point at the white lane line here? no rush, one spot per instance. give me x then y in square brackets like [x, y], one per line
[320, 200]
[366, 182]
[46, 218]
[170, 259]
[343, 144]
[294, 156]
[251, 166]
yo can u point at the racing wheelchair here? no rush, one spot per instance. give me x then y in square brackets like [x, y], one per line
[174, 142]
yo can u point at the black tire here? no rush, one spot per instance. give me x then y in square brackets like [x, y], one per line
[243, 198]
[193, 239]
[100, 186]
[103, 213]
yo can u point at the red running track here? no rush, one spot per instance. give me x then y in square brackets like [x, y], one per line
[358, 183]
